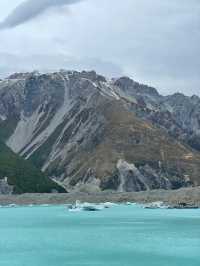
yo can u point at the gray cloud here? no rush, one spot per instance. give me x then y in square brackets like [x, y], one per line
[30, 9]
[155, 42]
[11, 63]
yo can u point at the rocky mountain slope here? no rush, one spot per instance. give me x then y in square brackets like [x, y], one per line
[95, 134]
[178, 114]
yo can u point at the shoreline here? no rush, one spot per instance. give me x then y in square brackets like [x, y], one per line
[189, 196]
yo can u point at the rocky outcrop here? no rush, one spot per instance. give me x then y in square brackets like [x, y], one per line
[92, 134]
[5, 188]
[145, 177]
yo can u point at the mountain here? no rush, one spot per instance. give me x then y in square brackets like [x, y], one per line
[178, 114]
[92, 134]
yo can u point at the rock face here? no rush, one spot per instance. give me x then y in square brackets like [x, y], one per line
[5, 188]
[96, 134]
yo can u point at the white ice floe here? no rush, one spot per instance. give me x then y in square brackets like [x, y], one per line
[130, 203]
[78, 206]
[156, 205]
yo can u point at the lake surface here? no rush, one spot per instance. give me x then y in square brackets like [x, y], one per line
[119, 236]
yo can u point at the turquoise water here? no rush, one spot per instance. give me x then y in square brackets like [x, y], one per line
[120, 236]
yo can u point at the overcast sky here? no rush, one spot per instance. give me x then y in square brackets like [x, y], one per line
[156, 42]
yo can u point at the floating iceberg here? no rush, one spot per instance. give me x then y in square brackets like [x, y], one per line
[130, 203]
[78, 206]
[156, 205]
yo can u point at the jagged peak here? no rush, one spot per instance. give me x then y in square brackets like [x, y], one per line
[179, 97]
[124, 81]
[127, 83]
[91, 75]
[23, 75]
[195, 98]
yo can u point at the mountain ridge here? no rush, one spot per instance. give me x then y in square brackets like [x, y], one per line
[92, 133]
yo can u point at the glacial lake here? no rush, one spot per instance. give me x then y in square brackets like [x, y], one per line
[119, 236]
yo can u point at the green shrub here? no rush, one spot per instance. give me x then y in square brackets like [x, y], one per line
[23, 175]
